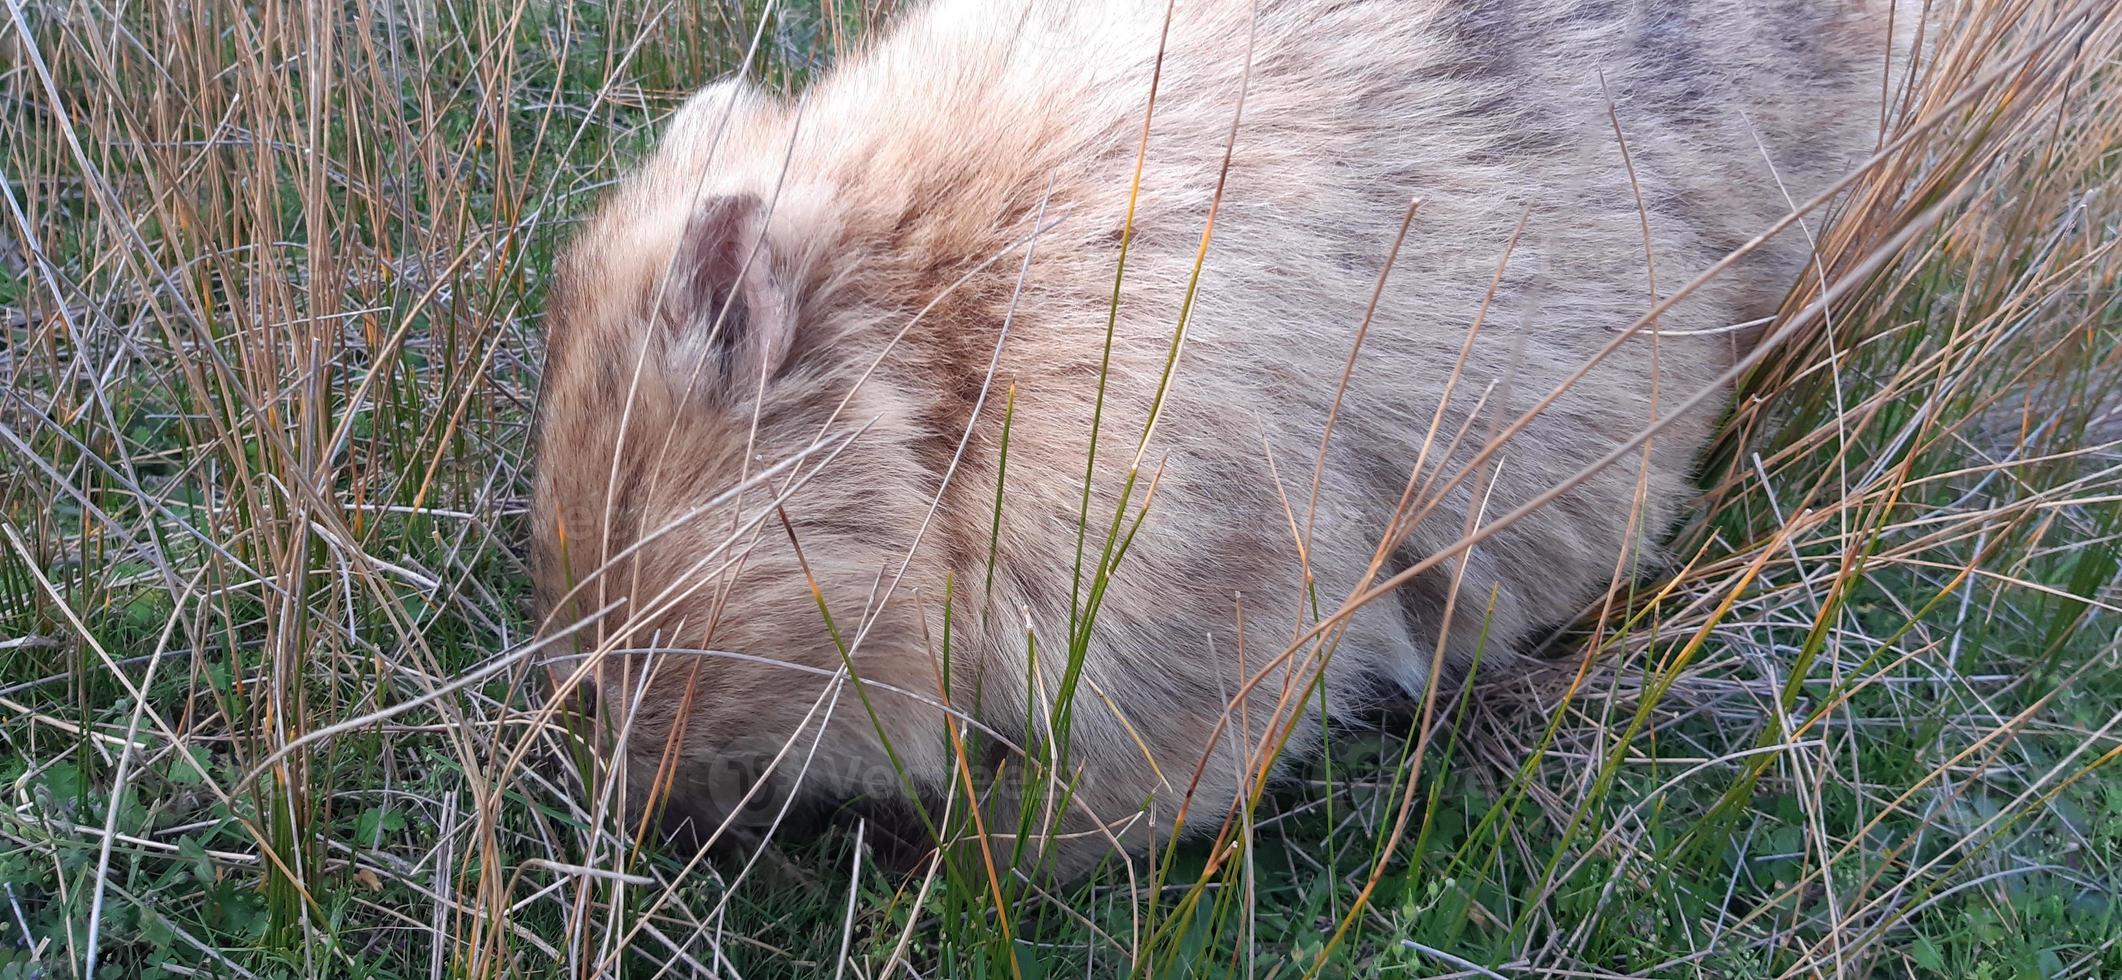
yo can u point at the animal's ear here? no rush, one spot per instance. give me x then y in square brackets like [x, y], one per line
[730, 317]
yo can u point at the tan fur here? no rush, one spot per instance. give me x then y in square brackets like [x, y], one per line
[896, 197]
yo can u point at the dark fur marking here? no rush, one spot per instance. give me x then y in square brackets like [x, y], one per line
[1680, 82]
[952, 346]
[1485, 39]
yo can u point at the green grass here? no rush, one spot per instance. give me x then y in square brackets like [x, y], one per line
[270, 285]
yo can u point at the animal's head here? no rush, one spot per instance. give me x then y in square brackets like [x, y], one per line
[711, 471]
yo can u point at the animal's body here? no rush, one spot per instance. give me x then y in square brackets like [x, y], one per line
[848, 261]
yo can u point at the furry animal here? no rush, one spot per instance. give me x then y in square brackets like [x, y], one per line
[785, 354]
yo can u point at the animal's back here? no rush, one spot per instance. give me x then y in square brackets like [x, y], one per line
[1490, 113]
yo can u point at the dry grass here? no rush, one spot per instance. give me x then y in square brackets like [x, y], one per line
[270, 282]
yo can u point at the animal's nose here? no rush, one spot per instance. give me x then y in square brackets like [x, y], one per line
[572, 694]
